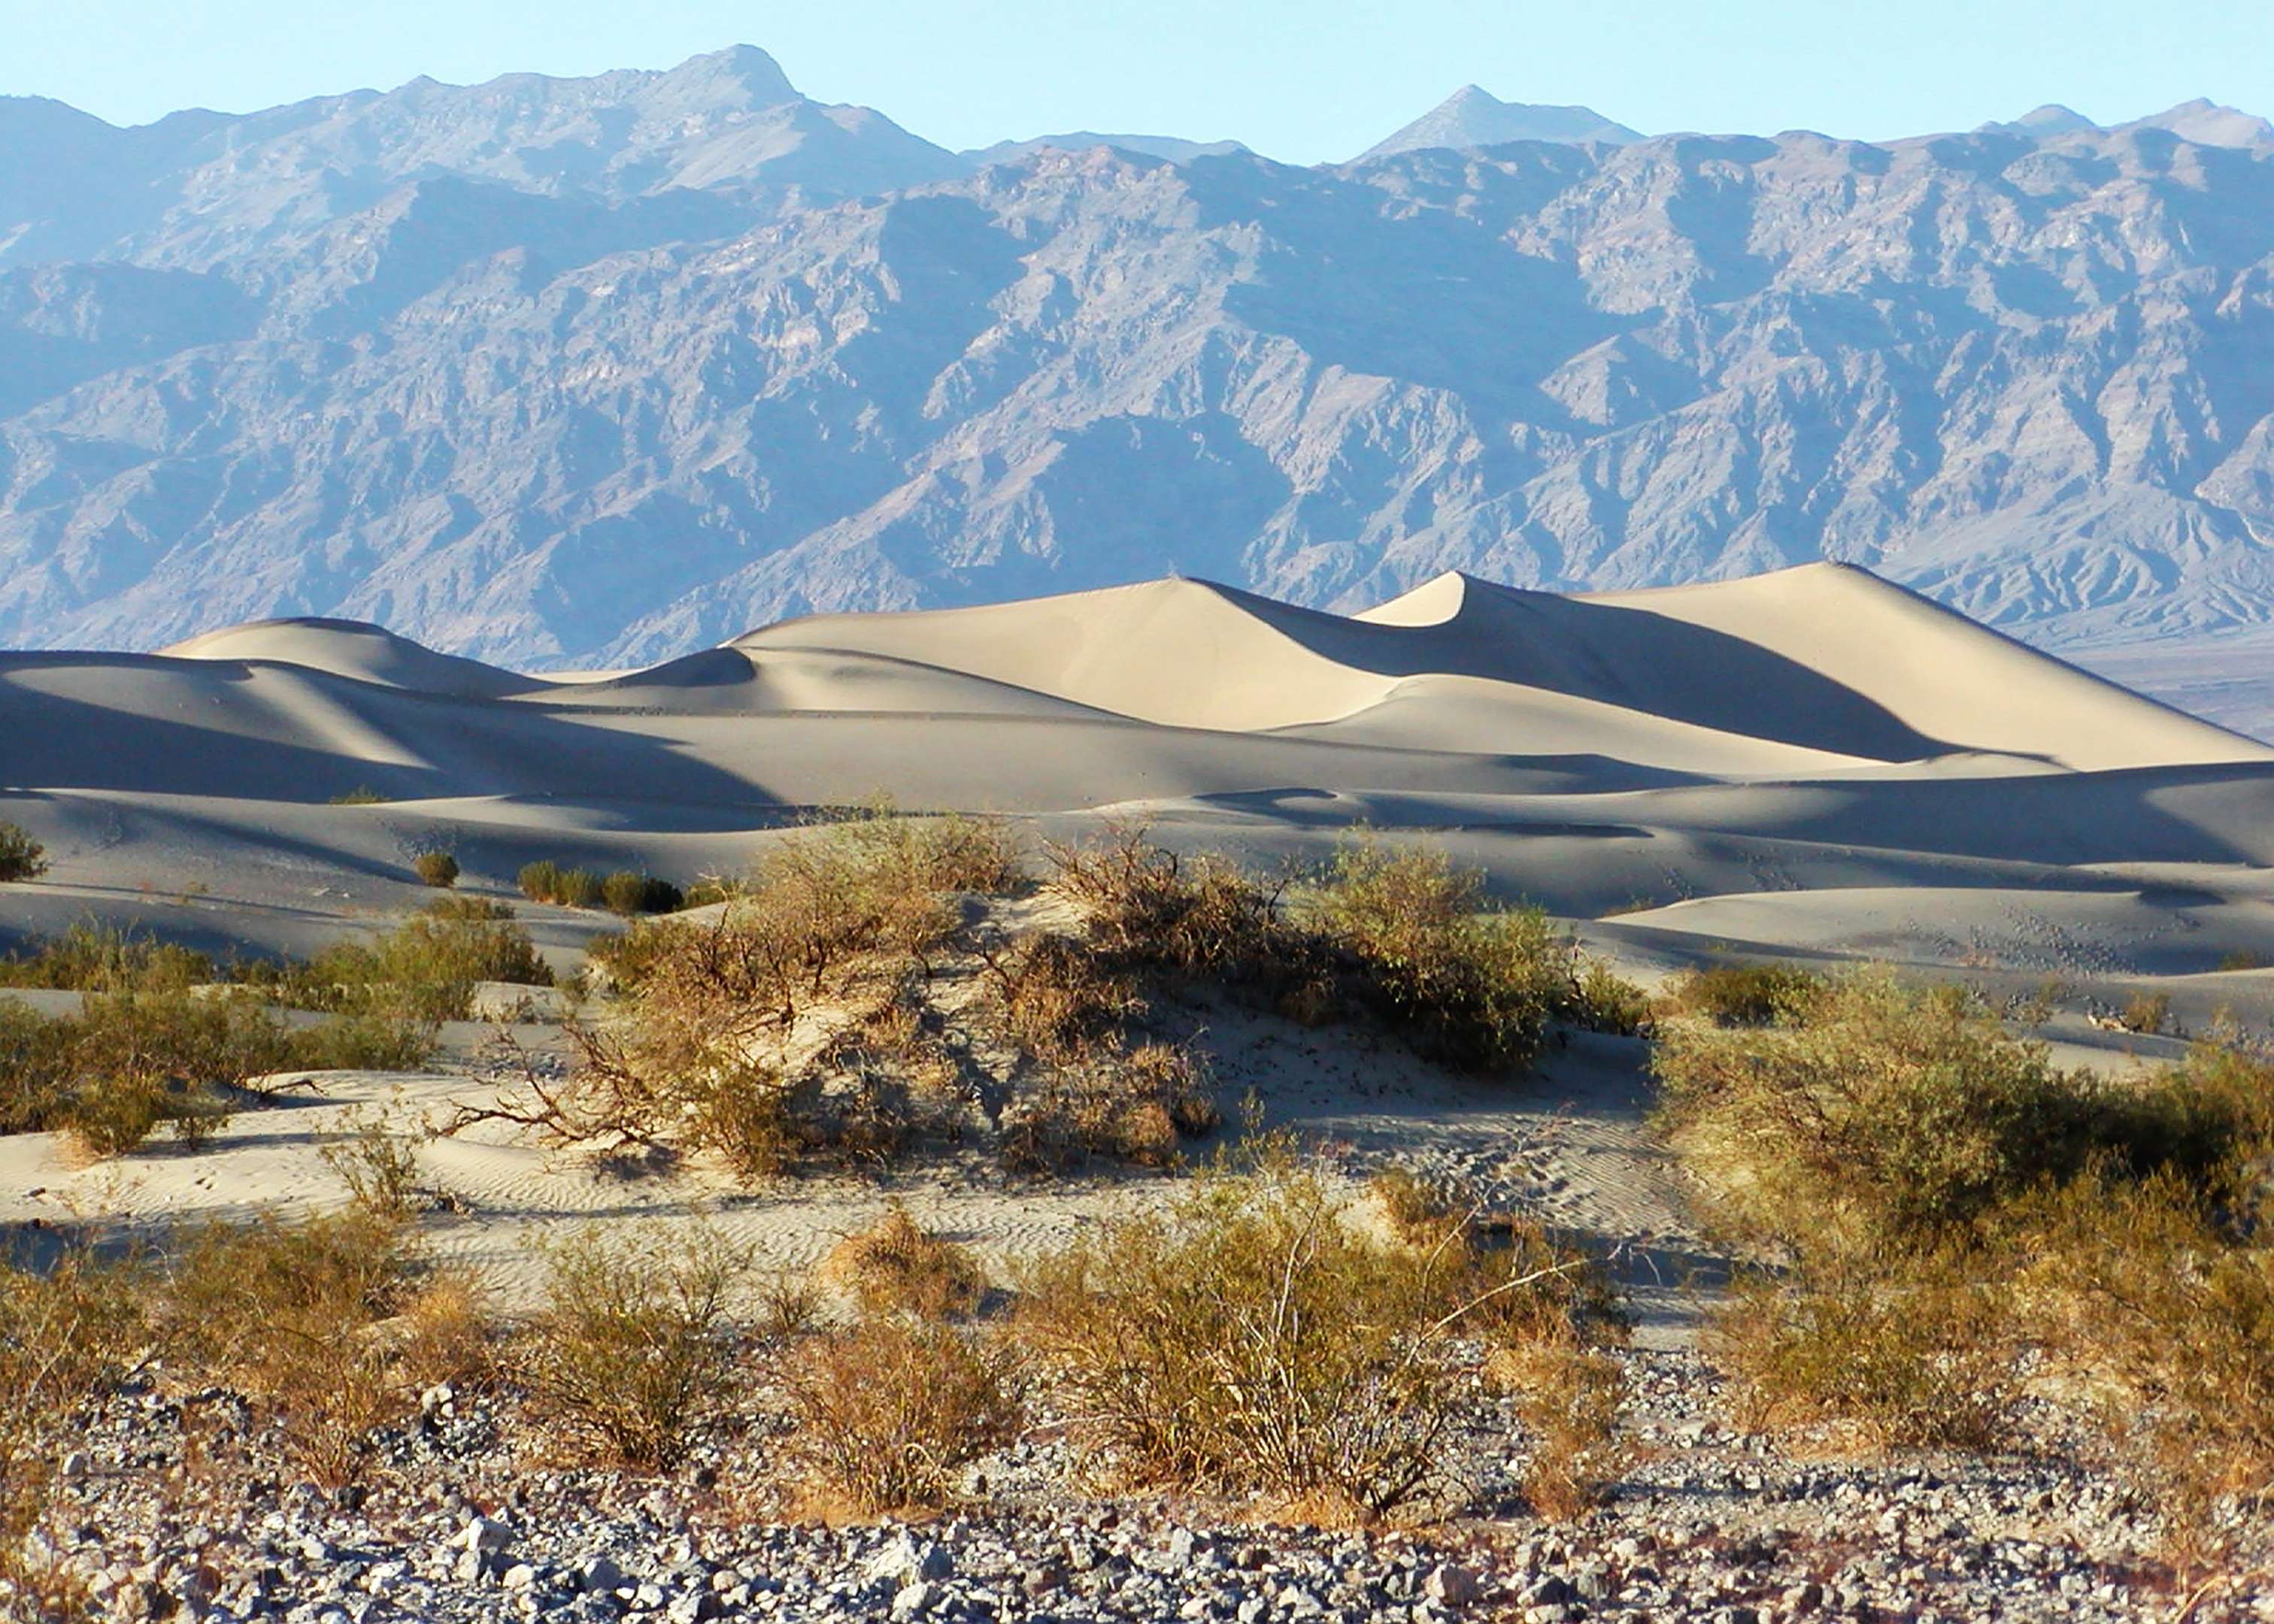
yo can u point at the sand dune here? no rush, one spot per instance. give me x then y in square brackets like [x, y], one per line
[353, 648]
[1814, 733]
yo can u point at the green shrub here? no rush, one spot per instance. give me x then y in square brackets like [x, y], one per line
[1935, 1199]
[424, 969]
[1398, 934]
[2160, 1294]
[632, 1353]
[1878, 1113]
[438, 869]
[66, 1333]
[361, 795]
[1602, 1000]
[285, 1312]
[1478, 986]
[95, 958]
[132, 1062]
[21, 857]
[1904, 1350]
[2146, 1013]
[580, 888]
[1569, 1397]
[568, 888]
[627, 892]
[1743, 994]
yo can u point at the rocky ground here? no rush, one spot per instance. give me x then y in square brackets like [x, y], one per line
[159, 1516]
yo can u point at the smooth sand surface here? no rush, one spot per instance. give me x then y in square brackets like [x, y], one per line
[1810, 764]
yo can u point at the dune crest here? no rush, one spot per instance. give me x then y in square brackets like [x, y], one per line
[353, 648]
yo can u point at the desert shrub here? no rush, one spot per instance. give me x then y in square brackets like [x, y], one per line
[37, 1077]
[1739, 995]
[136, 1060]
[1127, 1104]
[21, 857]
[1399, 934]
[889, 1410]
[95, 958]
[580, 888]
[1569, 1397]
[361, 795]
[1941, 1198]
[1477, 985]
[66, 1333]
[1092, 1091]
[568, 888]
[895, 1265]
[896, 851]
[132, 1062]
[632, 1353]
[787, 1025]
[1148, 908]
[1602, 1000]
[1252, 1340]
[627, 892]
[359, 1042]
[1058, 1000]
[424, 969]
[379, 1166]
[627, 956]
[438, 869]
[287, 1313]
[1902, 1350]
[2146, 1013]
[2161, 1296]
[2240, 959]
[1877, 1111]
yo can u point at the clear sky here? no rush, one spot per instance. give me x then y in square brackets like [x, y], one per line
[1302, 82]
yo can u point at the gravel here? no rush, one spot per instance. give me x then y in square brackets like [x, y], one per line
[160, 1520]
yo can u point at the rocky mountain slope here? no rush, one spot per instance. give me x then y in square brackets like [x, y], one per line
[599, 372]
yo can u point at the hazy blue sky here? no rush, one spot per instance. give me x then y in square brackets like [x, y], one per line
[1300, 81]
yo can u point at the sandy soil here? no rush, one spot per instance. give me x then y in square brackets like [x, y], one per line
[1811, 764]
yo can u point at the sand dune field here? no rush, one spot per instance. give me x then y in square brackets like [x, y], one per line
[1813, 764]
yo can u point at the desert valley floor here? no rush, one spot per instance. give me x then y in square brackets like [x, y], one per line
[1812, 766]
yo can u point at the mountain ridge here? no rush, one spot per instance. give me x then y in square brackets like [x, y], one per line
[576, 401]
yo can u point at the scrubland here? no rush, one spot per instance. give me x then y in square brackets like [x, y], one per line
[1938, 1237]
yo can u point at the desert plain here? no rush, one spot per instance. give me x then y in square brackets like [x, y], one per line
[1811, 768]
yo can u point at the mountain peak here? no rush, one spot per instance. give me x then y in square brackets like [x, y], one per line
[2207, 123]
[2051, 119]
[1474, 116]
[740, 72]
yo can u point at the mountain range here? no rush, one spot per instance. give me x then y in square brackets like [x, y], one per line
[555, 372]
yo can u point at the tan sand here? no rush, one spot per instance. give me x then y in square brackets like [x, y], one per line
[1812, 765]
